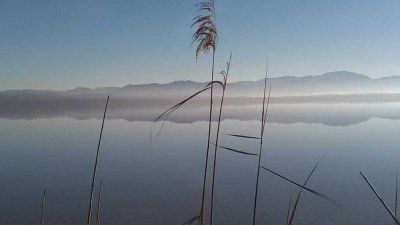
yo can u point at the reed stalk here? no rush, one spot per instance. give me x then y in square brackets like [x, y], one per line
[89, 214]
[206, 37]
[225, 75]
[263, 122]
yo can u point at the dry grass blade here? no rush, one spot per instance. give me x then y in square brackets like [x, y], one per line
[237, 151]
[191, 220]
[95, 164]
[380, 199]
[301, 190]
[164, 116]
[167, 112]
[301, 186]
[242, 136]
[43, 207]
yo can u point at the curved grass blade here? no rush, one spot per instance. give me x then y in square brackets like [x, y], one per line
[173, 108]
[301, 186]
[243, 136]
[380, 199]
[237, 151]
[164, 116]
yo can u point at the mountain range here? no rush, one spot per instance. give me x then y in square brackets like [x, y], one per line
[332, 87]
[332, 83]
[339, 82]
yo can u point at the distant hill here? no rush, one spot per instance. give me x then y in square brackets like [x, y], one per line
[339, 82]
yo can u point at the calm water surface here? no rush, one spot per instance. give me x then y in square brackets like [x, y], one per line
[160, 184]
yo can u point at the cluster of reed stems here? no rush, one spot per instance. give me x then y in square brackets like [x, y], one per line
[205, 37]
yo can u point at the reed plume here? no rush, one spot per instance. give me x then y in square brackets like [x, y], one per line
[206, 32]
[205, 37]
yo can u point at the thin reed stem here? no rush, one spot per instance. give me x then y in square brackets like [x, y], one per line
[89, 214]
[205, 37]
[263, 119]
[217, 138]
[208, 143]
[380, 199]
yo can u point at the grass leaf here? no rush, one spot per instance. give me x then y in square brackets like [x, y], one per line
[243, 136]
[301, 186]
[237, 151]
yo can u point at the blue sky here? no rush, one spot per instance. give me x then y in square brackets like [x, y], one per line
[65, 44]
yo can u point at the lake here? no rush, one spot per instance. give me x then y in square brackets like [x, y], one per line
[160, 182]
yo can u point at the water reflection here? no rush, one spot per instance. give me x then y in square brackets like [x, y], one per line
[162, 184]
[327, 114]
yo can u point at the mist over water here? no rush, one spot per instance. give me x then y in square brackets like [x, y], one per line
[161, 183]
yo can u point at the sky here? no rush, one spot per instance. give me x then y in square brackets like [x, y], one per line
[59, 45]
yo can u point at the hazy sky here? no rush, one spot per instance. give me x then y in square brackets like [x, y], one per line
[59, 44]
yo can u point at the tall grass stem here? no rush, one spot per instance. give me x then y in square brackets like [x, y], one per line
[89, 214]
